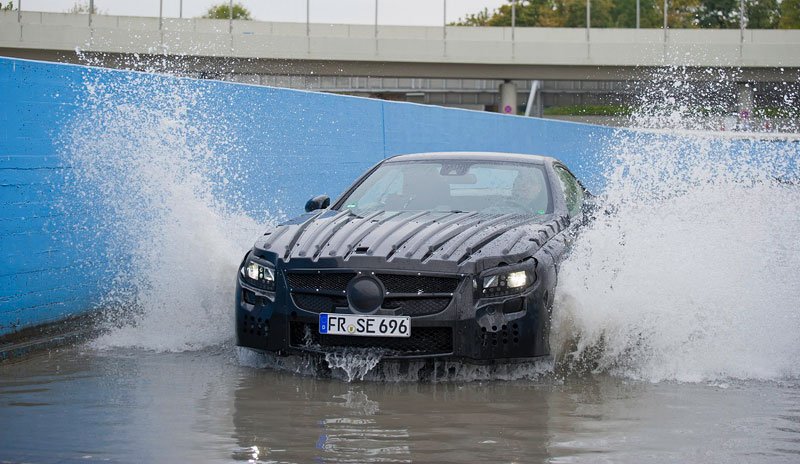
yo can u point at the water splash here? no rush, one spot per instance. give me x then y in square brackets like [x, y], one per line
[689, 271]
[305, 365]
[354, 363]
[678, 99]
[151, 163]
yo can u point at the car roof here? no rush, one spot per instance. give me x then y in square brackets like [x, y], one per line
[472, 156]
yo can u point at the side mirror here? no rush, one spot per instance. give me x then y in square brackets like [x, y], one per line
[318, 202]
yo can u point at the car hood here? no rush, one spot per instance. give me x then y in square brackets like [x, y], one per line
[409, 240]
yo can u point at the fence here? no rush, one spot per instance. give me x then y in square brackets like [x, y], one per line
[375, 12]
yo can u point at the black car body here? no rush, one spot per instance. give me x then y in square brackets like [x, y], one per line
[448, 269]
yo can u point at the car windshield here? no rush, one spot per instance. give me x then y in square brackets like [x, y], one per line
[453, 185]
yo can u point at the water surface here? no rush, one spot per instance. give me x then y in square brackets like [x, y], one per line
[86, 405]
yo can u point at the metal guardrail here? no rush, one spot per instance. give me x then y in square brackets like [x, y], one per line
[376, 6]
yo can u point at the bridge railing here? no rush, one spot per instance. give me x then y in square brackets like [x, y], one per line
[377, 13]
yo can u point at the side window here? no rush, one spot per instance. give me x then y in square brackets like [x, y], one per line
[572, 190]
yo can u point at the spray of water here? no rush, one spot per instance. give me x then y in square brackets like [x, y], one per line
[678, 99]
[355, 364]
[151, 163]
[370, 365]
[689, 271]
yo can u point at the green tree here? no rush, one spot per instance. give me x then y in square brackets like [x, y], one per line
[790, 14]
[572, 13]
[718, 14]
[7, 7]
[83, 8]
[527, 14]
[623, 13]
[223, 11]
[762, 14]
[725, 14]
[478, 19]
[682, 14]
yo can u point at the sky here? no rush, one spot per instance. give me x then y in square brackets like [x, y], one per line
[395, 12]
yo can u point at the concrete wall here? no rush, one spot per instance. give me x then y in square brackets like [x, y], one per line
[293, 143]
[40, 279]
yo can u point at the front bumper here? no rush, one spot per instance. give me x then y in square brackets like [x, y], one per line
[501, 328]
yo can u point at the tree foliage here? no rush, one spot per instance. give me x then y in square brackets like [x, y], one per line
[527, 14]
[83, 8]
[681, 14]
[480, 18]
[790, 14]
[572, 13]
[718, 14]
[762, 14]
[223, 11]
[623, 14]
[713, 14]
[7, 7]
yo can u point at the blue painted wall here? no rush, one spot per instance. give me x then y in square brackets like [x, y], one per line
[294, 144]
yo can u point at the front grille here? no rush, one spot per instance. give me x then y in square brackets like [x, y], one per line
[318, 303]
[403, 283]
[401, 306]
[320, 292]
[331, 281]
[416, 306]
[423, 340]
[394, 283]
[313, 303]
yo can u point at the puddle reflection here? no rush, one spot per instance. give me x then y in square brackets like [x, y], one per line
[302, 419]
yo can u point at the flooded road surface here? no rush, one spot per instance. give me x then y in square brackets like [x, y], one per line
[84, 405]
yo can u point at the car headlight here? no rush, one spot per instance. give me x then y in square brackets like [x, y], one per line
[259, 275]
[505, 284]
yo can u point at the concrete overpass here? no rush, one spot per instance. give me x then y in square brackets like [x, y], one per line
[266, 48]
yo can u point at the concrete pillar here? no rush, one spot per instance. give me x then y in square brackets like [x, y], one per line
[508, 98]
[745, 104]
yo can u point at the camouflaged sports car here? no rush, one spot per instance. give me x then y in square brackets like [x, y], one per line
[431, 255]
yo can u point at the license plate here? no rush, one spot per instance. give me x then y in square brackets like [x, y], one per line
[364, 326]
